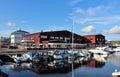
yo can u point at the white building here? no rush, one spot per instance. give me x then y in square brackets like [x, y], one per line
[16, 37]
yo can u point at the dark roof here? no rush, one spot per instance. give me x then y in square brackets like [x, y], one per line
[42, 32]
[55, 31]
[61, 31]
[22, 31]
[94, 35]
[56, 41]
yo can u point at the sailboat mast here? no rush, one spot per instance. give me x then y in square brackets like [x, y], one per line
[72, 35]
[72, 48]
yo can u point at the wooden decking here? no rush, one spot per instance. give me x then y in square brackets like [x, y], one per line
[11, 51]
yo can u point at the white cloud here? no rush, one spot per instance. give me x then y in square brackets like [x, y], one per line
[79, 10]
[98, 20]
[101, 15]
[73, 2]
[98, 10]
[113, 30]
[11, 24]
[91, 11]
[88, 29]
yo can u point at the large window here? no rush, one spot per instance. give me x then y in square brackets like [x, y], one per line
[61, 38]
[51, 37]
[67, 39]
[43, 36]
[56, 37]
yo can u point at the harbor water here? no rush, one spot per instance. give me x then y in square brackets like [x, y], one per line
[96, 66]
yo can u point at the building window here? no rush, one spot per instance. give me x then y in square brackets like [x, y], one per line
[97, 39]
[43, 36]
[52, 37]
[56, 37]
[102, 39]
[67, 39]
[61, 38]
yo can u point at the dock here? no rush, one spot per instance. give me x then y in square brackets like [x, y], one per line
[12, 51]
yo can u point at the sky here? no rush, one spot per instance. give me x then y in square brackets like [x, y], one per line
[88, 16]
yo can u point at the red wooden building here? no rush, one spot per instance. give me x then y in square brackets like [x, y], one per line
[55, 38]
[63, 36]
[98, 39]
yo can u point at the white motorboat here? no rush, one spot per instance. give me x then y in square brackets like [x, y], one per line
[116, 73]
[106, 49]
[99, 52]
[85, 53]
[99, 58]
[109, 50]
[22, 58]
[55, 54]
[80, 52]
[59, 54]
[117, 49]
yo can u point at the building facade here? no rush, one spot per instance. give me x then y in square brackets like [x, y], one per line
[55, 39]
[96, 40]
[16, 37]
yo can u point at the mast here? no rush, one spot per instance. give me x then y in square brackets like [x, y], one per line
[72, 48]
[72, 35]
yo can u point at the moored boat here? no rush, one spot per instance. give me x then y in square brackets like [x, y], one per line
[22, 58]
[116, 73]
[99, 52]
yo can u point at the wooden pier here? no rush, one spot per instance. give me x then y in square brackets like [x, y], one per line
[12, 51]
[5, 54]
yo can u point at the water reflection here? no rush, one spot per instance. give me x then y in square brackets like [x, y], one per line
[97, 61]
[56, 66]
[82, 67]
[95, 64]
[115, 59]
[19, 67]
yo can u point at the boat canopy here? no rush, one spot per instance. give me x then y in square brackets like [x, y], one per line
[63, 51]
